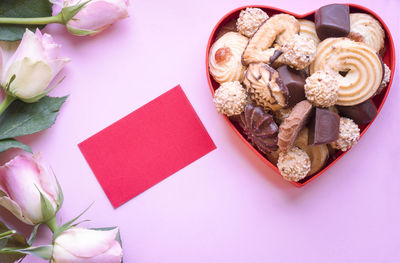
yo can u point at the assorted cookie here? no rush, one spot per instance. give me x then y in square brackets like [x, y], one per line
[265, 87]
[293, 124]
[299, 88]
[358, 65]
[364, 28]
[260, 128]
[225, 58]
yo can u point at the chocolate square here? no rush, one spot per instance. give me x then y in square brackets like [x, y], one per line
[332, 21]
[324, 127]
[361, 114]
[294, 81]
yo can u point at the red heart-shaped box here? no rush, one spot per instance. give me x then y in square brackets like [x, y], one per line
[389, 59]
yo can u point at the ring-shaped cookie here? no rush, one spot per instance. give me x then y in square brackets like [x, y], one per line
[365, 28]
[359, 67]
[307, 28]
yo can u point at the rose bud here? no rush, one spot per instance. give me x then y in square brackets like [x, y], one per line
[33, 66]
[93, 17]
[86, 245]
[29, 190]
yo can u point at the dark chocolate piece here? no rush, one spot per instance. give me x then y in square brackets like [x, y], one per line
[332, 21]
[361, 114]
[260, 128]
[324, 127]
[294, 81]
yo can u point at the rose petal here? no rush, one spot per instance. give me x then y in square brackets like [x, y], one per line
[86, 243]
[30, 46]
[98, 14]
[32, 77]
[113, 255]
[13, 207]
[47, 180]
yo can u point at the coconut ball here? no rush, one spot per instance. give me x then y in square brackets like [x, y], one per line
[294, 164]
[250, 20]
[385, 79]
[321, 88]
[230, 98]
[349, 133]
[299, 52]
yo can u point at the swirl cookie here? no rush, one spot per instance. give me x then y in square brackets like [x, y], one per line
[307, 28]
[364, 28]
[359, 67]
[265, 87]
[279, 28]
[225, 57]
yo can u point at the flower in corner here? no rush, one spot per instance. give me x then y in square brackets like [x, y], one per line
[88, 245]
[29, 190]
[92, 16]
[29, 72]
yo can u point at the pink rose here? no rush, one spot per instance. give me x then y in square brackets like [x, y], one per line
[34, 64]
[95, 16]
[22, 182]
[80, 245]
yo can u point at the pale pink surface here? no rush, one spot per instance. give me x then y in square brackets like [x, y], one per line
[228, 206]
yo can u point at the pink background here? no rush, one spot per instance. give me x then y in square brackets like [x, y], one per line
[228, 206]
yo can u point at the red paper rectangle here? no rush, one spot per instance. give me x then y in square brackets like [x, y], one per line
[146, 146]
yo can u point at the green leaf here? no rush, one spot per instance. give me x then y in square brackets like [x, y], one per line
[47, 209]
[33, 235]
[14, 240]
[43, 252]
[26, 118]
[60, 194]
[12, 143]
[68, 225]
[81, 32]
[69, 12]
[21, 8]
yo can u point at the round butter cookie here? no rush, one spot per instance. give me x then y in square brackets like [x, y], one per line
[364, 28]
[359, 67]
[307, 28]
[225, 58]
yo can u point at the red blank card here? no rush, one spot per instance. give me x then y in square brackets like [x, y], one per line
[147, 146]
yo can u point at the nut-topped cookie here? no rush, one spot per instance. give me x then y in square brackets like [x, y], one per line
[265, 87]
